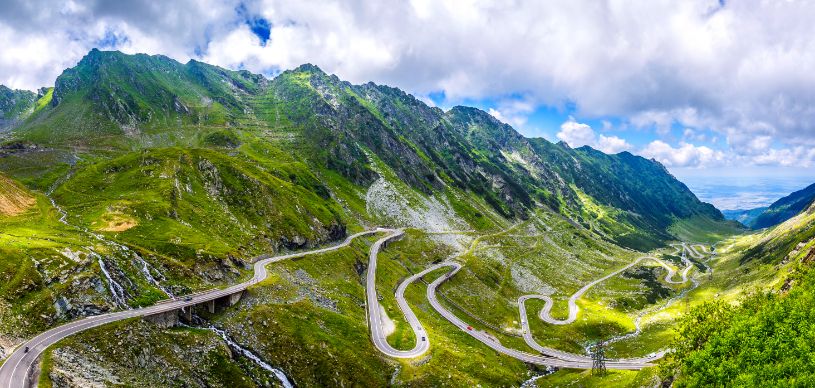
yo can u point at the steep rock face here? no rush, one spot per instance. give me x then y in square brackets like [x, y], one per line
[785, 208]
[333, 114]
[506, 156]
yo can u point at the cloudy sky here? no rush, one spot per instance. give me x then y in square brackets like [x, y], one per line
[705, 87]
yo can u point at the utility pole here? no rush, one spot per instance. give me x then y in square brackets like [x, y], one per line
[598, 359]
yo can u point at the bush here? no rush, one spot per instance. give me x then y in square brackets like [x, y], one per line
[767, 340]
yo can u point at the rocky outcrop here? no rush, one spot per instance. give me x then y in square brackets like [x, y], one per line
[71, 369]
[140, 354]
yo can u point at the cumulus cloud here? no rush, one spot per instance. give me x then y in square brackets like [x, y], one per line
[512, 111]
[740, 69]
[686, 155]
[579, 134]
[799, 156]
[612, 144]
[41, 38]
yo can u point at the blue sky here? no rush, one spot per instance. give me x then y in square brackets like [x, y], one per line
[703, 86]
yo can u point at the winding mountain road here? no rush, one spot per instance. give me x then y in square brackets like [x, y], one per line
[551, 357]
[15, 371]
[375, 310]
[495, 344]
[545, 313]
[573, 309]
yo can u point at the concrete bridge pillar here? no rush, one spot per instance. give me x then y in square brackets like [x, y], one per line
[235, 298]
[166, 319]
[186, 314]
[211, 306]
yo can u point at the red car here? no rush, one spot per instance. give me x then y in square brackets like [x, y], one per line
[469, 327]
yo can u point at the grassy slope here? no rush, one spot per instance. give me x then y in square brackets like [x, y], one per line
[315, 305]
[785, 208]
[766, 338]
[30, 264]
[188, 210]
[211, 202]
[704, 229]
[543, 246]
[584, 378]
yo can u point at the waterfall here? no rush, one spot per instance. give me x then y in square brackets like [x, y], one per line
[248, 354]
[116, 289]
[148, 270]
[531, 382]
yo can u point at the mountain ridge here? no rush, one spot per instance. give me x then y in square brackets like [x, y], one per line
[118, 101]
[785, 208]
[155, 178]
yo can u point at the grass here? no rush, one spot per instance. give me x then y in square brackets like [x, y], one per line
[196, 169]
[704, 230]
[532, 258]
[729, 281]
[191, 202]
[585, 378]
[315, 305]
[194, 215]
[29, 244]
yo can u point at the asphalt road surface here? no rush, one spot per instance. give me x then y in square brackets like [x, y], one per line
[14, 372]
[492, 342]
[549, 356]
[375, 311]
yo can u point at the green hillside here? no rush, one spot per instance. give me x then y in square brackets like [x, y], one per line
[14, 105]
[137, 177]
[112, 103]
[766, 338]
[785, 208]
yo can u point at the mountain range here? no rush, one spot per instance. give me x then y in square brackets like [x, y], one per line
[785, 208]
[778, 212]
[136, 178]
[111, 104]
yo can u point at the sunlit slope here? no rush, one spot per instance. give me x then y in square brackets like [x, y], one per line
[146, 224]
[766, 338]
[31, 265]
[115, 101]
[14, 199]
[775, 244]
[628, 199]
[167, 178]
[184, 203]
[111, 103]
